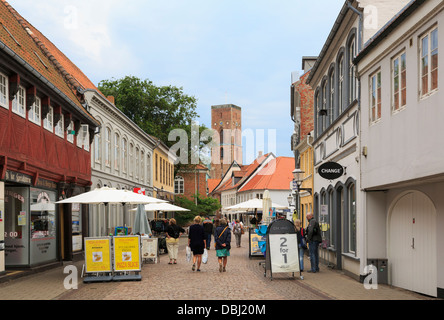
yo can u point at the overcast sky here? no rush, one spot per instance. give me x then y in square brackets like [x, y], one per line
[240, 52]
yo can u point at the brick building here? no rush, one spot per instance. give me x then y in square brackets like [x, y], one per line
[226, 120]
[191, 180]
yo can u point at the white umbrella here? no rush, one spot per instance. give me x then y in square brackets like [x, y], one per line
[108, 195]
[141, 224]
[162, 206]
[266, 205]
[254, 204]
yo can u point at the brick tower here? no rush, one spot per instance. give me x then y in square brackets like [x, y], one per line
[226, 120]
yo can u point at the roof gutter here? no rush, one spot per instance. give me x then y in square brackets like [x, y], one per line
[39, 76]
[361, 22]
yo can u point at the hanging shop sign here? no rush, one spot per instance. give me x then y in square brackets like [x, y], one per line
[331, 170]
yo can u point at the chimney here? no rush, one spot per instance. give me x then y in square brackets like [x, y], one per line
[260, 154]
[111, 99]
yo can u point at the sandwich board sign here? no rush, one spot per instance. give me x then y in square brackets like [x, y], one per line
[282, 254]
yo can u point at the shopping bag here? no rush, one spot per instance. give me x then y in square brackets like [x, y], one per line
[188, 254]
[205, 256]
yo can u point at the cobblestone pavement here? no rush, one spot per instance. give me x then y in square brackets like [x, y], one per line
[244, 280]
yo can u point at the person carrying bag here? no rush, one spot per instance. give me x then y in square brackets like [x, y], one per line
[223, 244]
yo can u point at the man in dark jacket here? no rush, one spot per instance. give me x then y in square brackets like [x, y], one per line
[314, 238]
[208, 228]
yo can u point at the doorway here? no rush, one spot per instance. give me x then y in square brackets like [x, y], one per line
[412, 243]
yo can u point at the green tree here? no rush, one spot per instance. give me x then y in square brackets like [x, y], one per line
[203, 206]
[156, 110]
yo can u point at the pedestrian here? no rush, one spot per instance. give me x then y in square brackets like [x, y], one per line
[197, 242]
[223, 244]
[302, 243]
[173, 233]
[314, 238]
[208, 228]
[237, 231]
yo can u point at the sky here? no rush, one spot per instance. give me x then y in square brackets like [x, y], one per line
[221, 52]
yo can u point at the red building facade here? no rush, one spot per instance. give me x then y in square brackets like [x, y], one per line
[45, 136]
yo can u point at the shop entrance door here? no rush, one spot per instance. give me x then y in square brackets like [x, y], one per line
[16, 226]
[412, 244]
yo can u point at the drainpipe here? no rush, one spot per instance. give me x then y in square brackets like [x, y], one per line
[361, 22]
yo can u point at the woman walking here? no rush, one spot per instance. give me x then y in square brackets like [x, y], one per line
[197, 242]
[173, 233]
[302, 243]
[223, 244]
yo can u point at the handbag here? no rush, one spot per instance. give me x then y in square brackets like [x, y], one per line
[220, 236]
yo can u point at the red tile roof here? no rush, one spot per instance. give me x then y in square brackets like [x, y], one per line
[276, 175]
[212, 183]
[28, 46]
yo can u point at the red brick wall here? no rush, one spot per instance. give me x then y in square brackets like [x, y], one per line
[191, 180]
[307, 101]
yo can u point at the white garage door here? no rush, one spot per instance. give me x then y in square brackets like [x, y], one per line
[412, 244]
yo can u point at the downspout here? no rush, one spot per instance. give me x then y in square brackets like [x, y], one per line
[363, 198]
[361, 23]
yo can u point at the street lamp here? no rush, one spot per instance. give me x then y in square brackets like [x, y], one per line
[298, 176]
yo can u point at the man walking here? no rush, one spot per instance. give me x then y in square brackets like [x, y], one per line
[208, 228]
[314, 238]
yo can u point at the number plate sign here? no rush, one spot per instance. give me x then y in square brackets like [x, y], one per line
[284, 253]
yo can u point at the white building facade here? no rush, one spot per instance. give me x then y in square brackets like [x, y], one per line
[121, 158]
[402, 159]
[337, 203]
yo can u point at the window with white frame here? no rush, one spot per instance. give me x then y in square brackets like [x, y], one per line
[117, 158]
[131, 160]
[85, 132]
[179, 183]
[48, 122]
[142, 166]
[124, 155]
[340, 85]
[4, 91]
[97, 148]
[18, 104]
[58, 129]
[375, 97]
[332, 97]
[108, 147]
[351, 209]
[399, 76]
[352, 80]
[429, 62]
[136, 165]
[70, 132]
[35, 113]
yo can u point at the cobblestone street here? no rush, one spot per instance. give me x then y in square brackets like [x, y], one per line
[244, 280]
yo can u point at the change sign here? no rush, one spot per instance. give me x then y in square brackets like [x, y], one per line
[331, 170]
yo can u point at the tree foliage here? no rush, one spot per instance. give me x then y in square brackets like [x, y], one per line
[200, 206]
[155, 109]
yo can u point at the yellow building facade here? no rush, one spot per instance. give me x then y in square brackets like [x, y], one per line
[163, 173]
[306, 165]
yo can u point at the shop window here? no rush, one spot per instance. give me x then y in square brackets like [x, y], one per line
[18, 104]
[35, 113]
[351, 210]
[4, 91]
